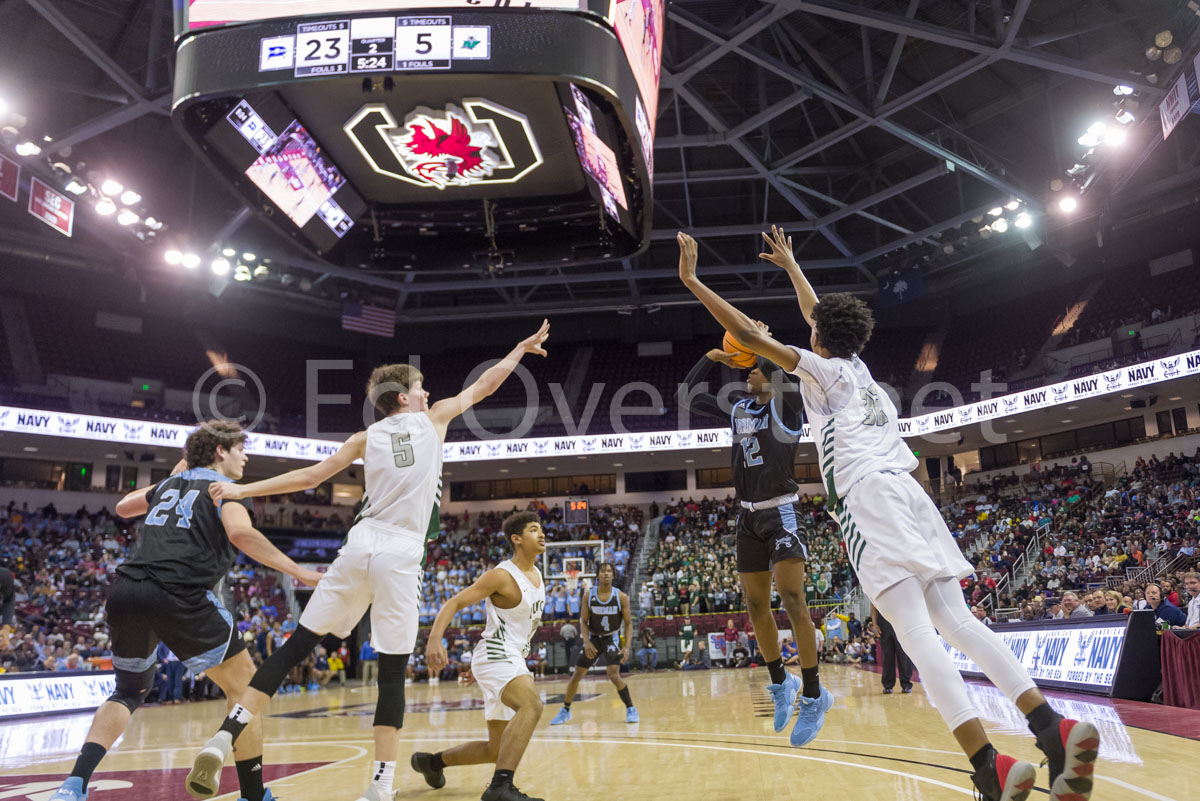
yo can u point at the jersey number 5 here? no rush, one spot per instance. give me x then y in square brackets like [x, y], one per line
[402, 452]
[183, 508]
[875, 415]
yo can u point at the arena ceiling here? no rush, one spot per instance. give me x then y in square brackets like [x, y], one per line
[879, 132]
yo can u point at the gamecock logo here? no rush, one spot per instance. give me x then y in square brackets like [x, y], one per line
[475, 144]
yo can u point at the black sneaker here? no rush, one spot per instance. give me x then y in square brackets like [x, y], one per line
[1004, 779]
[1070, 747]
[906, 690]
[505, 792]
[887, 690]
[423, 763]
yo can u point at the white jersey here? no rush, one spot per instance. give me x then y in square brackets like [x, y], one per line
[854, 423]
[508, 631]
[403, 463]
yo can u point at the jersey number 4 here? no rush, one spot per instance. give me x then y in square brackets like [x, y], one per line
[875, 415]
[182, 507]
[402, 451]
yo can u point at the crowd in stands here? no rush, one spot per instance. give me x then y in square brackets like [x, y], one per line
[694, 569]
[1092, 535]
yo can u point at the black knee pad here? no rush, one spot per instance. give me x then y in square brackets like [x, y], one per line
[389, 709]
[272, 673]
[132, 688]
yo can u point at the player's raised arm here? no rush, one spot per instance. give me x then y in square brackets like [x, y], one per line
[295, 480]
[137, 503]
[743, 329]
[250, 541]
[781, 255]
[487, 585]
[446, 410]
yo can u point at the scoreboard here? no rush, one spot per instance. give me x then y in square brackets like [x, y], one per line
[575, 512]
[487, 132]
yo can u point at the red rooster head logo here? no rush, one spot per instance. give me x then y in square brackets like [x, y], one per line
[445, 149]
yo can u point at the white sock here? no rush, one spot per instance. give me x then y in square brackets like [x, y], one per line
[384, 771]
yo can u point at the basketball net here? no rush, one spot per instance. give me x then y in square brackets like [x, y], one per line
[572, 580]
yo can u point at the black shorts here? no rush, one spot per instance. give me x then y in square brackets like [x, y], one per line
[767, 536]
[191, 621]
[607, 648]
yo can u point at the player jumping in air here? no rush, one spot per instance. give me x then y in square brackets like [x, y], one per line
[599, 619]
[515, 596]
[898, 543]
[380, 565]
[772, 530]
[186, 545]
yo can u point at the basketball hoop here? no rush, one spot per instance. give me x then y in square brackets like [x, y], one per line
[572, 580]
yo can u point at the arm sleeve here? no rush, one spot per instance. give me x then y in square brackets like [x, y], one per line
[704, 403]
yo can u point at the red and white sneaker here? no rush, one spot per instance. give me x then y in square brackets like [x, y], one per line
[1004, 778]
[1070, 750]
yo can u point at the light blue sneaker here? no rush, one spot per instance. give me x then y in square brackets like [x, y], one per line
[810, 717]
[784, 696]
[631, 715]
[266, 795]
[72, 789]
[563, 716]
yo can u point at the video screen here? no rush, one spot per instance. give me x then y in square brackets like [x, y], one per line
[598, 160]
[291, 171]
[205, 13]
[639, 26]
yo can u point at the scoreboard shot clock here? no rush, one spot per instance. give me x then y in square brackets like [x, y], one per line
[575, 512]
[392, 131]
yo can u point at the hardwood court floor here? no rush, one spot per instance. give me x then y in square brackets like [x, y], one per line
[699, 736]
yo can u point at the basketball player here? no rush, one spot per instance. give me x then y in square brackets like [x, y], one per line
[772, 536]
[164, 592]
[598, 620]
[899, 546]
[514, 596]
[380, 565]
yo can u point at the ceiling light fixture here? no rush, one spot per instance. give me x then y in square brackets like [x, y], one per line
[129, 197]
[28, 149]
[111, 188]
[105, 206]
[127, 217]
[173, 257]
[191, 260]
[1068, 204]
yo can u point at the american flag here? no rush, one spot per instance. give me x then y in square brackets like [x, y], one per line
[368, 319]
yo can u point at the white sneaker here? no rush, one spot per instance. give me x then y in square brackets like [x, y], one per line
[373, 793]
[204, 781]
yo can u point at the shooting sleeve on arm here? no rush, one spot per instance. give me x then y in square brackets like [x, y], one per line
[704, 403]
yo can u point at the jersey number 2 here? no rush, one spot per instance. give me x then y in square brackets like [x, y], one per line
[183, 508]
[875, 415]
[402, 451]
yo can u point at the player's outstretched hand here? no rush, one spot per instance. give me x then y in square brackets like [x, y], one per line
[781, 249]
[687, 257]
[589, 650]
[435, 656]
[534, 343]
[624, 655]
[309, 578]
[224, 491]
[723, 356]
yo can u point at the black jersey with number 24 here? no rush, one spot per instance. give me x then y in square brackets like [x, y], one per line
[182, 542]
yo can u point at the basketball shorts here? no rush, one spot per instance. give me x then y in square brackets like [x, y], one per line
[190, 620]
[492, 676]
[607, 648]
[378, 567]
[767, 536]
[892, 530]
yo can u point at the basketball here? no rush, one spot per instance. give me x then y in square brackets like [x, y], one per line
[744, 358]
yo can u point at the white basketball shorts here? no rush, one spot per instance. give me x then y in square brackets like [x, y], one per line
[378, 567]
[492, 677]
[893, 530]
